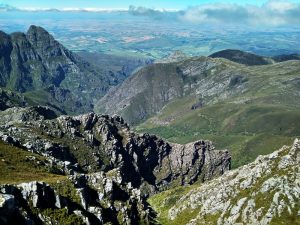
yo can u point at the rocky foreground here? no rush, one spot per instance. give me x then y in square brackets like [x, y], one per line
[110, 171]
[266, 191]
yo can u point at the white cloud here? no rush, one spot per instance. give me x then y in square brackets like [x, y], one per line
[272, 13]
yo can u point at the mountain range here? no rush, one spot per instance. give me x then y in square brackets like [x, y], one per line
[248, 109]
[92, 168]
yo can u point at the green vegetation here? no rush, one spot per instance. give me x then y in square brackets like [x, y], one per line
[246, 130]
[163, 201]
[67, 189]
[15, 166]
[177, 197]
[261, 117]
[61, 217]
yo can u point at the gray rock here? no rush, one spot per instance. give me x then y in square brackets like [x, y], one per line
[242, 195]
[108, 144]
[7, 201]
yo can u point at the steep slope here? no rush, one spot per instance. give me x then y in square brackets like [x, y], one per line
[154, 86]
[19, 166]
[10, 99]
[266, 191]
[37, 65]
[91, 143]
[118, 67]
[106, 171]
[205, 81]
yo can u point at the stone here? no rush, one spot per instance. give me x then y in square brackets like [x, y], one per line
[239, 195]
[112, 166]
[7, 201]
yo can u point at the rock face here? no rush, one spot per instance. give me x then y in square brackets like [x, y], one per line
[266, 191]
[111, 170]
[89, 143]
[96, 199]
[35, 61]
[10, 99]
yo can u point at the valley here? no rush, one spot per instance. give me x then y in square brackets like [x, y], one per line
[146, 116]
[248, 109]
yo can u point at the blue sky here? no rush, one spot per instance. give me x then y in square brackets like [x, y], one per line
[251, 12]
[166, 4]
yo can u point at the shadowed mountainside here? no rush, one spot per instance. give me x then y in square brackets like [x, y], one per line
[251, 59]
[35, 64]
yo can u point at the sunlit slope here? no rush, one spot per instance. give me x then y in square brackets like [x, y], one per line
[255, 113]
[265, 191]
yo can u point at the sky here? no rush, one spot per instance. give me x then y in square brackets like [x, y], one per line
[117, 4]
[226, 12]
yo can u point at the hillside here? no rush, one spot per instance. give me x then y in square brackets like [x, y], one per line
[118, 67]
[38, 66]
[251, 59]
[241, 57]
[239, 107]
[265, 191]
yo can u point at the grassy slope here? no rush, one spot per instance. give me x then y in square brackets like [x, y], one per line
[164, 201]
[257, 121]
[16, 168]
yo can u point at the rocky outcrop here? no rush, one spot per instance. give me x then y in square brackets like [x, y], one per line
[90, 143]
[10, 99]
[266, 191]
[97, 199]
[111, 170]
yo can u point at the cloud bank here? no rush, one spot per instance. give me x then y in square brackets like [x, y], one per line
[272, 13]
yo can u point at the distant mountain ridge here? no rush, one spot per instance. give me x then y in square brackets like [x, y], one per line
[251, 59]
[37, 65]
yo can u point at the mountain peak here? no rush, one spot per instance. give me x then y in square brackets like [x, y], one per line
[36, 34]
[35, 61]
[36, 29]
